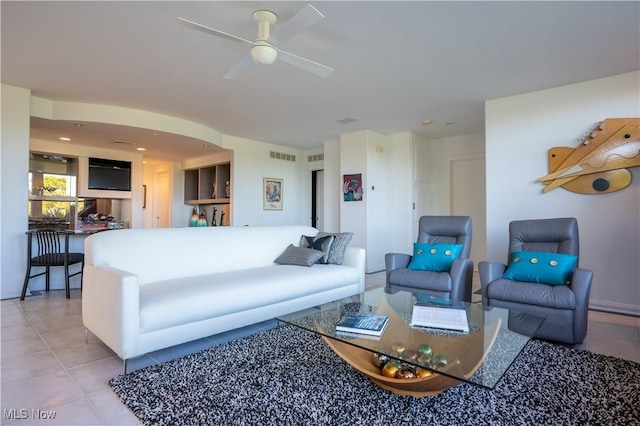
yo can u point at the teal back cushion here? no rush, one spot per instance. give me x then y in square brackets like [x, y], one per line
[434, 257]
[540, 267]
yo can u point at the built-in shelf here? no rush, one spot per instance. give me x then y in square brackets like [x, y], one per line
[208, 185]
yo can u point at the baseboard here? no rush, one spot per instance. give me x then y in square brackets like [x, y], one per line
[371, 269]
[614, 307]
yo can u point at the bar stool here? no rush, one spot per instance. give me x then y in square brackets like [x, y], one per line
[53, 250]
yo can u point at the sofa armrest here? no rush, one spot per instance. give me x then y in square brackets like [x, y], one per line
[489, 272]
[111, 307]
[356, 257]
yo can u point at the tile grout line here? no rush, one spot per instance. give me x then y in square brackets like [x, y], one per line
[65, 369]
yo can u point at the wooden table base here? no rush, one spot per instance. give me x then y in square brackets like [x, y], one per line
[465, 353]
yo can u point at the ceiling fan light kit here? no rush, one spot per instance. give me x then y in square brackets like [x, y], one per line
[263, 53]
[262, 50]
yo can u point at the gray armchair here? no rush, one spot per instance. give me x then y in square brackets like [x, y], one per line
[454, 284]
[564, 306]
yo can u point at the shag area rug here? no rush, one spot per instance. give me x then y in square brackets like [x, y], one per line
[287, 376]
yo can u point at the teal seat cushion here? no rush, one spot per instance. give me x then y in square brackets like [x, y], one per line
[434, 257]
[540, 267]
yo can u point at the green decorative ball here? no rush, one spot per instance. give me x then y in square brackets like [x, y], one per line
[425, 349]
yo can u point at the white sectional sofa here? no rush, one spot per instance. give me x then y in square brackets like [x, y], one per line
[147, 289]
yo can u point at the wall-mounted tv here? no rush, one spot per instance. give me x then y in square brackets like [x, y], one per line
[110, 175]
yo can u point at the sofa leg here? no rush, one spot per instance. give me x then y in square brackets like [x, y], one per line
[124, 366]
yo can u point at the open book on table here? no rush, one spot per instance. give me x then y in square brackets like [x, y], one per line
[440, 317]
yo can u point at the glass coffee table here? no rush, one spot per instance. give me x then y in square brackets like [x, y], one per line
[423, 361]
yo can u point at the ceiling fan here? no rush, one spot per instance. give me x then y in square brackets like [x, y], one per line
[263, 49]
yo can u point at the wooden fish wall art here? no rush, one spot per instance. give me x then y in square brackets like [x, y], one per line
[600, 164]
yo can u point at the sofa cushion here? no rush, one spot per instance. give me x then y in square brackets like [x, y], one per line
[552, 296]
[339, 246]
[185, 300]
[434, 257]
[319, 243]
[540, 267]
[300, 256]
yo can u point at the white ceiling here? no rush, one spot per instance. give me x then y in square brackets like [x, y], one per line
[396, 64]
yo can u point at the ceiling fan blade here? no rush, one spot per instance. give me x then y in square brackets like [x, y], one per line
[238, 69]
[212, 31]
[305, 64]
[304, 18]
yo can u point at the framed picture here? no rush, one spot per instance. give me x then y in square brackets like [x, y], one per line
[352, 187]
[272, 194]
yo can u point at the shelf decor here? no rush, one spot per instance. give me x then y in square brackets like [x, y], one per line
[272, 193]
[600, 164]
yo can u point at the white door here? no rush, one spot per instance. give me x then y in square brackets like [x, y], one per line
[161, 205]
[468, 199]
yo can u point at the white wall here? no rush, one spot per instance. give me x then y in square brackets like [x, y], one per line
[14, 161]
[368, 153]
[441, 153]
[332, 180]
[379, 190]
[519, 132]
[252, 163]
[401, 220]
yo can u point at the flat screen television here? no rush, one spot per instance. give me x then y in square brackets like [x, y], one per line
[110, 175]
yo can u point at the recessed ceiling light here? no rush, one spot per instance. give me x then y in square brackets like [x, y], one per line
[427, 122]
[64, 138]
[141, 149]
[205, 146]
[78, 124]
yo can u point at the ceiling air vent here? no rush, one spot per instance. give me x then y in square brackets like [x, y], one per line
[282, 156]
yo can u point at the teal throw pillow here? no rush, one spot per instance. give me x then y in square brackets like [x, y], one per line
[540, 267]
[434, 257]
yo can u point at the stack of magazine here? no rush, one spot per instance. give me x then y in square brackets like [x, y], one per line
[361, 324]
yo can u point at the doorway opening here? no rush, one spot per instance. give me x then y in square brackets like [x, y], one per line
[317, 199]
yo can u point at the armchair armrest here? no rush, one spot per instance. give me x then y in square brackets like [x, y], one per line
[461, 279]
[580, 284]
[394, 261]
[489, 272]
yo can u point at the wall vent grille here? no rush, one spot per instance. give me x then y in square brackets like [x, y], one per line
[282, 156]
[316, 157]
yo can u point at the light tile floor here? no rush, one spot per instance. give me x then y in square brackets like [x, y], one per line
[47, 368]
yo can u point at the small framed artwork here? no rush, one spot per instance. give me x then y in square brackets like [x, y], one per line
[352, 187]
[272, 193]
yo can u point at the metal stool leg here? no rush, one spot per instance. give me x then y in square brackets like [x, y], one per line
[47, 280]
[26, 282]
[66, 281]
